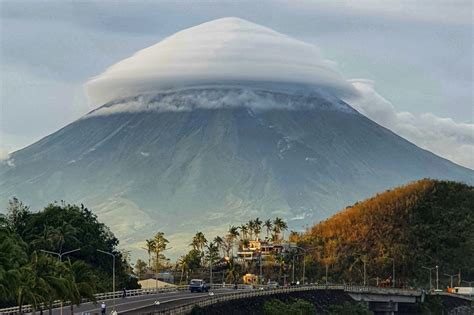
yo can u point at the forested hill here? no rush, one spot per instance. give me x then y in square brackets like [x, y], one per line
[425, 223]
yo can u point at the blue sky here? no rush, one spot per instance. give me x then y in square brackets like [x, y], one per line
[417, 55]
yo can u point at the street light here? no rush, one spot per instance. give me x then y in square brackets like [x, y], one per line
[304, 262]
[393, 271]
[437, 278]
[429, 269]
[113, 275]
[60, 256]
[364, 261]
[451, 278]
[156, 271]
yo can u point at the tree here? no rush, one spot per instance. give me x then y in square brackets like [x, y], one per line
[12, 257]
[199, 241]
[140, 268]
[29, 276]
[17, 214]
[244, 231]
[257, 228]
[159, 242]
[268, 226]
[232, 235]
[81, 281]
[278, 227]
[150, 245]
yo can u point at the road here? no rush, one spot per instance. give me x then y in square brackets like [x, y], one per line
[129, 304]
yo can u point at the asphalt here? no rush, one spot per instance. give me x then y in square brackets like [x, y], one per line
[139, 304]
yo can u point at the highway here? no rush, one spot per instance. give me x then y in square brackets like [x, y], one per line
[128, 305]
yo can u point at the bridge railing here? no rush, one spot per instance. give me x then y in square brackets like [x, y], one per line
[139, 292]
[104, 296]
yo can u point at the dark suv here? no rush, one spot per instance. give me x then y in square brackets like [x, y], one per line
[198, 285]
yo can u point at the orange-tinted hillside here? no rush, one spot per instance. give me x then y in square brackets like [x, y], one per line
[424, 223]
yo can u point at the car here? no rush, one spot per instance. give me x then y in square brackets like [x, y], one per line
[198, 285]
[272, 284]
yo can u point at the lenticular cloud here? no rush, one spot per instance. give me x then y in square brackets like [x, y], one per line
[224, 51]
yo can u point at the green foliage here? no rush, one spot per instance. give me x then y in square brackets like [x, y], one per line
[197, 310]
[30, 276]
[348, 308]
[433, 305]
[292, 306]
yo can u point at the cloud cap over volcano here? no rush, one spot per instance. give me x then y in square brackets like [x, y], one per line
[222, 51]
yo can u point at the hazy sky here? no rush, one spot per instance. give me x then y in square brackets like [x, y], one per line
[417, 55]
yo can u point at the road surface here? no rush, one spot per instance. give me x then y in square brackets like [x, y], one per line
[129, 304]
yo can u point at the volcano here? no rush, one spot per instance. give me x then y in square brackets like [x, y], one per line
[215, 125]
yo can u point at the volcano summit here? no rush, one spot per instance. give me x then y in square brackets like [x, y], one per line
[214, 125]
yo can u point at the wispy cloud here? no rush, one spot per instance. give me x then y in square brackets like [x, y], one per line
[442, 136]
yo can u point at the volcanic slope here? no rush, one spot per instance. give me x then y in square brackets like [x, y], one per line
[302, 158]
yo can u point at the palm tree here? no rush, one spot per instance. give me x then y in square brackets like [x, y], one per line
[244, 228]
[159, 242]
[251, 226]
[257, 228]
[65, 233]
[150, 245]
[199, 240]
[219, 242]
[268, 225]
[12, 257]
[183, 264]
[233, 234]
[279, 226]
[42, 281]
[81, 281]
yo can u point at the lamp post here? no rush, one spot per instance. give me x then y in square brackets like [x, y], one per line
[156, 272]
[429, 269]
[451, 278]
[113, 275]
[305, 250]
[327, 266]
[364, 262]
[60, 256]
[393, 272]
[437, 278]
[469, 283]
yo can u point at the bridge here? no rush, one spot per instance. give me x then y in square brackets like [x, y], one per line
[178, 300]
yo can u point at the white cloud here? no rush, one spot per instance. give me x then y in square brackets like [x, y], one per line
[442, 136]
[220, 51]
[214, 97]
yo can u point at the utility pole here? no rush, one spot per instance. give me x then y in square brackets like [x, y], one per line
[261, 267]
[113, 276]
[429, 269]
[60, 256]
